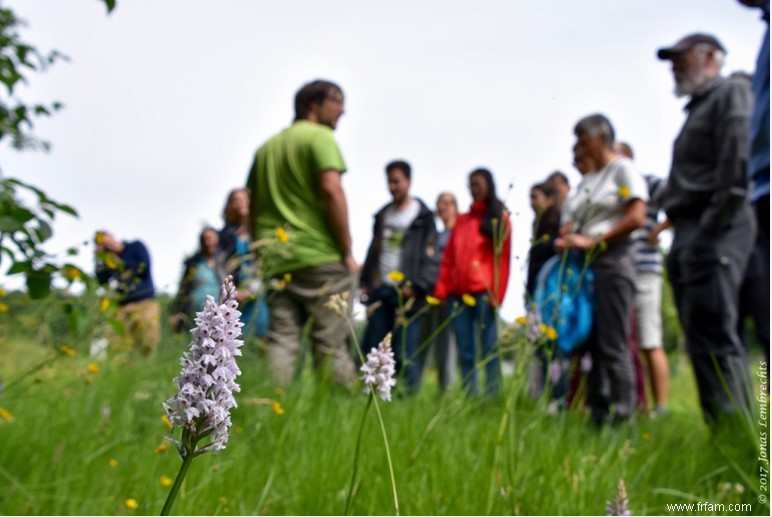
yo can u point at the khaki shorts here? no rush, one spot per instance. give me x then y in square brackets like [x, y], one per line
[141, 326]
[648, 310]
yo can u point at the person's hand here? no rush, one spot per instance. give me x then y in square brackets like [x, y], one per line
[653, 238]
[364, 294]
[176, 321]
[350, 264]
[243, 295]
[575, 241]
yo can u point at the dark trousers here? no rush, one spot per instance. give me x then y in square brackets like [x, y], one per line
[706, 272]
[611, 381]
[442, 347]
[404, 340]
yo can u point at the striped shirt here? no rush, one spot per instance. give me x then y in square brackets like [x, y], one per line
[648, 259]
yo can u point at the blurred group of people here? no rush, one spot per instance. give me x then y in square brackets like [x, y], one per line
[228, 251]
[437, 291]
[223, 252]
[719, 177]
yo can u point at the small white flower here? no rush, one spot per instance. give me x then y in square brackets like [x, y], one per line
[379, 369]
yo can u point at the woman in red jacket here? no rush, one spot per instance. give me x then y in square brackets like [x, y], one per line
[474, 274]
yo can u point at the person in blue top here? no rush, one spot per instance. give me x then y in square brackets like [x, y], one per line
[758, 170]
[202, 275]
[125, 265]
[235, 245]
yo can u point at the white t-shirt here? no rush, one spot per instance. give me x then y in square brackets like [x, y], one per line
[395, 224]
[598, 203]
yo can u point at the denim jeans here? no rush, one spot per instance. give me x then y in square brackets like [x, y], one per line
[469, 325]
[404, 342]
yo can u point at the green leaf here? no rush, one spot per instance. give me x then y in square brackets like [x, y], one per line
[67, 209]
[20, 267]
[44, 231]
[22, 214]
[110, 5]
[9, 224]
[39, 284]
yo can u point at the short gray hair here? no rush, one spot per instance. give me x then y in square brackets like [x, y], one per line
[595, 125]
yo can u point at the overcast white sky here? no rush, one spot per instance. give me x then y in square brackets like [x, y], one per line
[166, 101]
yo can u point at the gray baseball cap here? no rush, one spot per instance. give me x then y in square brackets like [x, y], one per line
[686, 43]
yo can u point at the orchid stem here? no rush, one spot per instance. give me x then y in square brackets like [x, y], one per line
[388, 457]
[356, 455]
[186, 461]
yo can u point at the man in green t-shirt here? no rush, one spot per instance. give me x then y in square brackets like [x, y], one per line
[297, 194]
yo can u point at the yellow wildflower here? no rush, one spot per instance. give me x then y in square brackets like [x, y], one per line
[276, 406]
[92, 368]
[624, 191]
[469, 300]
[646, 436]
[3, 292]
[166, 481]
[551, 334]
[5, 415]
[223, 501]
[161, 448]
[542, 328]
[521, 320]
[287, 277]
[396, 276]
[99, 237]
[113, 462]
[281, 234]
[112, 261]
[67, 350]
[166, 421]
[131, 504]
[71, 273]
[104, 304]
[279, 392]
[431, 300]
[3, 307]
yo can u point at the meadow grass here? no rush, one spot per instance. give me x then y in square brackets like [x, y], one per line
[82, 443]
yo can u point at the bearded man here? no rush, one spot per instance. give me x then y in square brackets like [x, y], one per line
[707, 202]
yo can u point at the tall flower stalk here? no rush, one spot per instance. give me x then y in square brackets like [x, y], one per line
[206, 383]
[378, 375]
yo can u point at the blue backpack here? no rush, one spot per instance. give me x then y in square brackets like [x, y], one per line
[565, 298]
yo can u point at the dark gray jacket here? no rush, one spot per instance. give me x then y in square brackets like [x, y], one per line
[708, 179]
[420, 257]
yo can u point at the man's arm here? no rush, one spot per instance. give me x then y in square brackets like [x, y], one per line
[429, 264]
[331, 191]
[731, 179]
[252, 186]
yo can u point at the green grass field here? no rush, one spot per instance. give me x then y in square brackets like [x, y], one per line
[76, 441]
